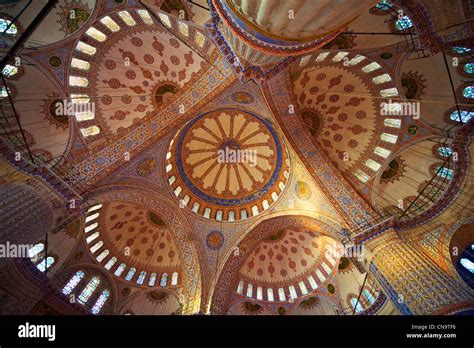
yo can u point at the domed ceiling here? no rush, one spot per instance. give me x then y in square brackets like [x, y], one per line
[228, 165]
[289, 257]
[138, 237]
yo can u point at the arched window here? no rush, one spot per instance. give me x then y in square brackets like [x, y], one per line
[32, 252]
[467, 264]
[281, 294]
[97, 246]
[469, 68]
[356, 305]
[381, 79]
[110, 263]
[110, 23]
[80, 64]
[371, 67]
[392, 122]
[383, 5]
[141, 278]
[91, 217]
[78, 81]
[9, 70]
[445, 151]
[174, 278]
[373, 164]
[165, 19]
[145, 16]
[91, 227]
[368, 295]
[404, 23]
[72, 283]
[389, 92]
[45, 264]
[199, 39]
[380, 151]
[127, 18]
[102, 255]
[92, 237]
[100, 301]
[461, 50]
[4, 92]
[89, 131]
[463, 116]
[120, 269]
[270, 294]
[361, 175]
[164, 279]
[86, 48]
[96, 34]
[89, 290]
[389, 138]
[4, 23]
[152, 280]
[183, 28]
[468, 92]
[444, 172]
[130, 274]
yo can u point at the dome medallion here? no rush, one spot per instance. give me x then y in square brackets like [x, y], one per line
[227, 165]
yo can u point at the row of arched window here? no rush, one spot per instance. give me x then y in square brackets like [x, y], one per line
[87, 292]
[36, 256]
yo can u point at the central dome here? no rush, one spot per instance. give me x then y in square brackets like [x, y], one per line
[227, 164]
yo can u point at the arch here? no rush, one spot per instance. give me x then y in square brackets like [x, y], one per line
[227, 280]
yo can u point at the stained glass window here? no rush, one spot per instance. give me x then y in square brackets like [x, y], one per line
[445, 151]
[361, 175]
[281, 294]
[91, 227]
[85, 48]
[444, 172]
[145, 16]
[468, 92]
[110, 263]
[164, 279]
[9, 70]
[80, 64]
[94, 208]
[89, 131]
[249, 290]
[88, 290]
[165, 19]
[390, 92]
[305, 60]
[383, 5]
[32, 252]
[110, 23]
[96, 246]
[356, 305]
[44, 264]
[183, 28]
[270, 295]
[199, 39]
[100, 301]
[4, 23]
[78, 81]
[404, 23]
[469, 68]
[92, 217]
[467, 264]
[380, 151]
[120, 269]
[152, 280]
[127, 18]
[3, 92]
[96, 34]
[465, 116]
[130, 274]
[102, 255]
[356, 60]
[373, 165]
[92, 237]
[72, 283]
[371, 67]
[461, 49]
[368, 295]
[338, 57]
[174, 278]
[259, 293]
[389, 138]
[392, 122]
[141, 278]
[382, 79]
[84, 116]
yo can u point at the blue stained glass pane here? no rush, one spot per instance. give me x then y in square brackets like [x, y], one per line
[72, 283]
[445, 172]
[357, 307]
[404, 23]
[384, 5]
[369, 296]
[44, 264]
[100, 301]
[465, 116]
[445, 151]
[4, 24]
[9, 70]
[461, 49]
[468, 92]
[469, 68]
[468, 264]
